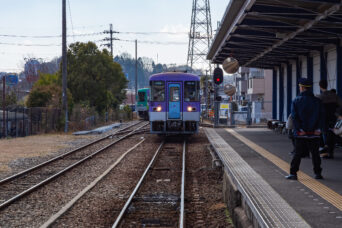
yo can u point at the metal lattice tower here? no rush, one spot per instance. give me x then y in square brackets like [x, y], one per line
[200, 35]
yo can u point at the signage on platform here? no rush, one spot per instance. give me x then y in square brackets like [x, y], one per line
[11, 79]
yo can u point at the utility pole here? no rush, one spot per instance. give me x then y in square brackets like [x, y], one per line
[206, 94]
[110, 39]
[3, 106]
[64, 65]
[136, 69]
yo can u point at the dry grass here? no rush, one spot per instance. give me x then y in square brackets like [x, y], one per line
[32, 146]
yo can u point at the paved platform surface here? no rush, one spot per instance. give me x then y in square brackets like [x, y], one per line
[318, 202]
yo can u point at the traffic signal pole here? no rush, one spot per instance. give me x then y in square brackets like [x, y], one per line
[218, 79]
[216, 106]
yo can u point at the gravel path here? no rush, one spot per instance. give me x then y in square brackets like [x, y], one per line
[204, 200]
[37, 207]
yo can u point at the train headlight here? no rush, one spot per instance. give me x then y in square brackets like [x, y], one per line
[159, 109]
[191, 109]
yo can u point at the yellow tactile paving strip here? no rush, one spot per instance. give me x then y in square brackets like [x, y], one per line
[320, 189]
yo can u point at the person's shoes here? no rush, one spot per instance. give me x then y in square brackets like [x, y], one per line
[322, 149]
[318, 176]
[291, 177]
[324, 155]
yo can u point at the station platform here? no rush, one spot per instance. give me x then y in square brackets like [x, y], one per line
[256, 161]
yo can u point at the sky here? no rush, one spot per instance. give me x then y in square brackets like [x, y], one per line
[32, 18]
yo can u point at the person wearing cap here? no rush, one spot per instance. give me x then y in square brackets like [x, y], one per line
[330, 103]
[307, 114]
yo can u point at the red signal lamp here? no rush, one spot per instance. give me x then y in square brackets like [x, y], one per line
[218, 76]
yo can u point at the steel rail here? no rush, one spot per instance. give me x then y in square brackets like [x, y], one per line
[128, 202]
[72, 202]
[31, 189]
[182, 217]
[62, 155]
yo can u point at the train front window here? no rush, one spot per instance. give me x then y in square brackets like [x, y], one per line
[141, 96]
[174, 94]
[191, 91]
[158, 90]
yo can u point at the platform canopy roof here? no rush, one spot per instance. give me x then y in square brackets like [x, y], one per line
[266, 33]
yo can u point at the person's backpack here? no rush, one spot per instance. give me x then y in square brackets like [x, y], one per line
[289, 123]
[338, 128]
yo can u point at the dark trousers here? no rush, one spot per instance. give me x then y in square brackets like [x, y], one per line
[331, 140]
[303, 145]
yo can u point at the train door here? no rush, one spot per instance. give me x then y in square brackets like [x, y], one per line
[174, 100]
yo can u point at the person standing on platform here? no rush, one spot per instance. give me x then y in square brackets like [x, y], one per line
[307, 114]
[330, 102]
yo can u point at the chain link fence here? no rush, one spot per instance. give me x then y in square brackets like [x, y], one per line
[20, 121]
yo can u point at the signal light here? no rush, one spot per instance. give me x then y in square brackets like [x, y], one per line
[218, 76]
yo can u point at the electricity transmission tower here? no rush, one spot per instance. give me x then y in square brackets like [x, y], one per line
[200, 35]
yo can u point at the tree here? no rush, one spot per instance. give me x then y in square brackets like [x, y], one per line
[11, 99]
[93, 78]
[47, 92]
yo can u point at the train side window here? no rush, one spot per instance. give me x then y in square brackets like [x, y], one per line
[158, 91]
[174, 94]
[191, 91]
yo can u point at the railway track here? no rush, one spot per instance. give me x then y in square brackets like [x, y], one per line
[15, 187]
[158, 198]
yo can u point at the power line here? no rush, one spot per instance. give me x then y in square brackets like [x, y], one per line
[51, 36]
[156, 42]
[72, 25]
[89, 34]
[25, 52]
[96, 41]
[30, 45]
[153, 33]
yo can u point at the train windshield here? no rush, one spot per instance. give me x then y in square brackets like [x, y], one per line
[158, 90]
[191, 91]
[141, 96]
[174, 94]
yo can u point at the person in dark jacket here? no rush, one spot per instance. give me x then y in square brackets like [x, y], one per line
[330, 102]
[307, 114]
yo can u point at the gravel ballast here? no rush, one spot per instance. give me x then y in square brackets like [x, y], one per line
[37, 207]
